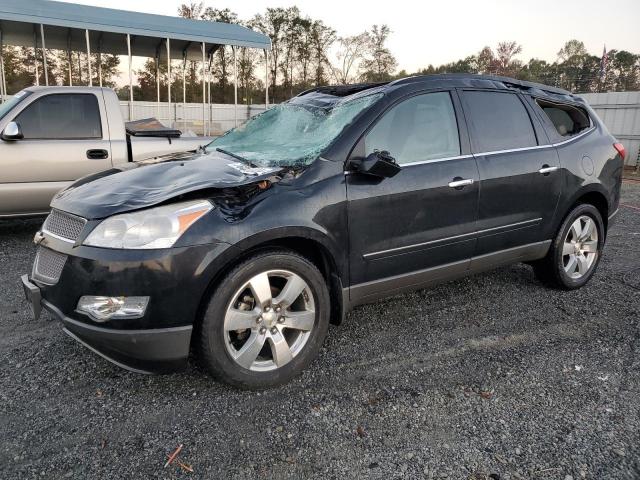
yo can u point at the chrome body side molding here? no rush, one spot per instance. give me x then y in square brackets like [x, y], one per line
[385, 287]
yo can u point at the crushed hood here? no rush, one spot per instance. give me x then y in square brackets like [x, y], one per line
[147, 183]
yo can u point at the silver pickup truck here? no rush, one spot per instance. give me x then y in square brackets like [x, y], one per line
[51, 136]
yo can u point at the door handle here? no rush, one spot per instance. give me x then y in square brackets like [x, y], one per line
[459, 182]
[546, 170]
[97, 154]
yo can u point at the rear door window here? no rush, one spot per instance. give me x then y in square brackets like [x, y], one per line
[62, 117]
[499, 121]
[567, 119]
[420, 128]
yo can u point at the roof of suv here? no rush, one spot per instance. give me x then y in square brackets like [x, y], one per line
[451, 80]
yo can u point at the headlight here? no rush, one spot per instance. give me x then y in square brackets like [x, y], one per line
[158, 227]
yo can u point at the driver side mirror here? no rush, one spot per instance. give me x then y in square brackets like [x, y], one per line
[378, 164]
[12, 132]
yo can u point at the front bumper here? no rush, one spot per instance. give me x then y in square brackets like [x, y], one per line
[156, 350]
[176, 280]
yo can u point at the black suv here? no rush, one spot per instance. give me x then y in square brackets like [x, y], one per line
[245, 251]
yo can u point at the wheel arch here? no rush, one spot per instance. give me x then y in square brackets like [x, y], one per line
[309, 243]
[595, 195]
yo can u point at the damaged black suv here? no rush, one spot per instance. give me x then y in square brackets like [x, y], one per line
[245, 252]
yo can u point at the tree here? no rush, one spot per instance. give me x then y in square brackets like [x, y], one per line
[193, 10]
[223, 58]
[273, 24]
[485, 60]
[351, 52]
[505, 54]
[322, 38]
[379, 64]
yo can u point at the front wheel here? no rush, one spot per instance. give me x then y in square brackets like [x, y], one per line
[575, 252]
[266, 320]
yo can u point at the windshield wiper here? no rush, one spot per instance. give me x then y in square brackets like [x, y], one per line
[237, 157]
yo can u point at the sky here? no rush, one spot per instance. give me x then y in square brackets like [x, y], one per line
[426, 32]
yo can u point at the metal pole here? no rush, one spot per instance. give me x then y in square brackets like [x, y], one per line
[209, 82]
[266, 79]
[69, 58]
[130, 78]
[86, 34]
[184, 89]
[44, 56]
[169, 81]
[184, 78]
[4, 79]
[158, 82]
[235, 85]
[100, 59]
[204, 90]
[35, 56]
[3, 85]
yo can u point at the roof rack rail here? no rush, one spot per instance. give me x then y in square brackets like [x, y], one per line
[342, 90]
[512, 82]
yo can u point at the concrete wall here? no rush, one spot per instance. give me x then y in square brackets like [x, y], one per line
[620, 112]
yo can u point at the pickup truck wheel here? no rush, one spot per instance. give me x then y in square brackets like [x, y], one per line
[575, 252]
[266, 321]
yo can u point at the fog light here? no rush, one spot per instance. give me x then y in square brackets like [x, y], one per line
[102, 309]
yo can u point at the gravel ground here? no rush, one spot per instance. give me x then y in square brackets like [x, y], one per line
[490, 377]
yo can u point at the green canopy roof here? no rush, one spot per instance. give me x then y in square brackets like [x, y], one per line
[65, 25]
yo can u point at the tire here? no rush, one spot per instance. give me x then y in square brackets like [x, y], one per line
[265, 314]
[557, 269]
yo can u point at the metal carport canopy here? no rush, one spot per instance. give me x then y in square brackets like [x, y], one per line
[65, 25]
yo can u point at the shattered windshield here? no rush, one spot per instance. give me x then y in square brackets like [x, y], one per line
[290, 134]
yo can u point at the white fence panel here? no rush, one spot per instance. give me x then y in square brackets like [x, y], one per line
[218, 118]
[620, 112]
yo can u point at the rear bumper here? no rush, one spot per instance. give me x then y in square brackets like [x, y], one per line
[158, 350]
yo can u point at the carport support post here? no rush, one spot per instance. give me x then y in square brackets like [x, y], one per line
[158, 82]
[184, 78]
[69, 58]
[130, 78]
[184, 88]
[266, 79]
[169, 80]
[44, 56]
[86, 35]
[235, 85]
[204, 91]
[100, 60]
[35, 57]
[3, 85]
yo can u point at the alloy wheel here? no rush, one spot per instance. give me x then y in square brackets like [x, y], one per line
[269, 320]
[580, 248]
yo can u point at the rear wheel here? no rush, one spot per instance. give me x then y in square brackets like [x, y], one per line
[575, 252]
[266, 321]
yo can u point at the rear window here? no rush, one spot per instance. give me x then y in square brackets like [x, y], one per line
[567, 119]
[499, 121]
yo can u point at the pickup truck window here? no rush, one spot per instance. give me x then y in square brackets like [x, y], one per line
[62, 117]
[7, 106]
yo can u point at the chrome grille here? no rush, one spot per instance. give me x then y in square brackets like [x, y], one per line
[48, 266]
[64, 225]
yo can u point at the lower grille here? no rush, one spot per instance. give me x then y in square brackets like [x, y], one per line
[48, 266]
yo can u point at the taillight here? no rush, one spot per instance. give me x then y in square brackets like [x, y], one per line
[620, 149]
